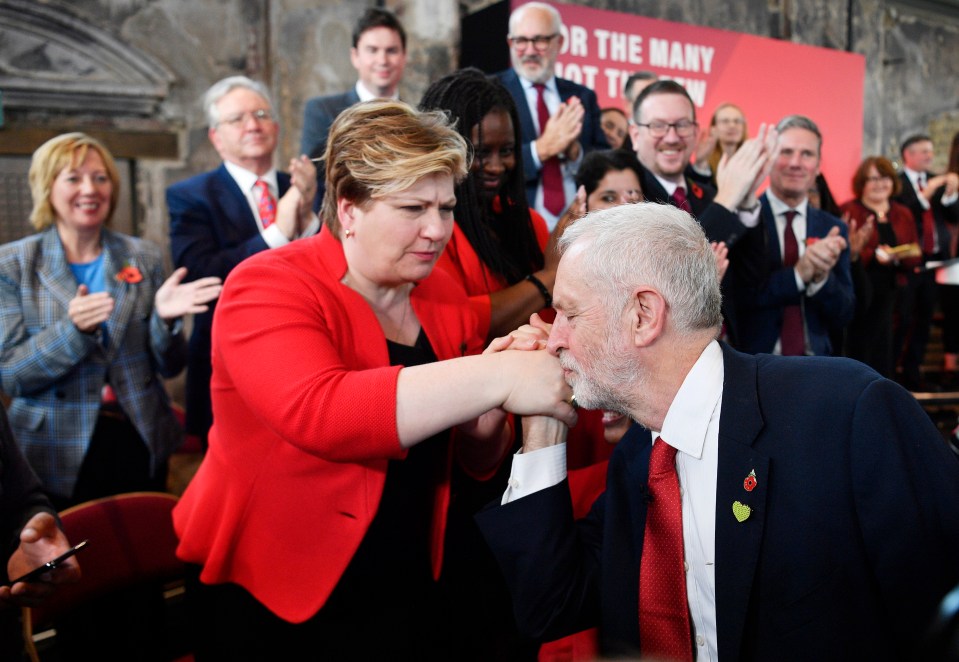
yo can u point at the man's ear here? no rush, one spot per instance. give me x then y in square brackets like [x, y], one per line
[647, 315]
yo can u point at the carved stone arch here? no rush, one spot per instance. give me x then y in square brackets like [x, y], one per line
[52, 60]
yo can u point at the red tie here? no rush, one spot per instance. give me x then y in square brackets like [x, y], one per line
[554, 198]
[265, 203]
[792, 342]
[664, 630]
[928, 223]
[680, 200]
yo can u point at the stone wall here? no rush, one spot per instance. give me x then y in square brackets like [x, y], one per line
[301, 48]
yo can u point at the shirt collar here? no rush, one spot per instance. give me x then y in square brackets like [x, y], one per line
[245, 178]
[913, 175]
[528, 84]
[365, 95]
[689, 414]
[779, 207]
[670, 187]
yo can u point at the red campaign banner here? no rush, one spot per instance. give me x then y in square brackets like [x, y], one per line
[767, 78]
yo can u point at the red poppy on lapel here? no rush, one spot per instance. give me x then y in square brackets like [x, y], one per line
[129, 274]
[697, 191]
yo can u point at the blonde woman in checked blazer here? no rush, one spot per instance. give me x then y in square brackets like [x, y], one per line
[88, 325]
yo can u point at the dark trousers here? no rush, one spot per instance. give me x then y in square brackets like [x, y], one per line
[915, 308]
[117, 461]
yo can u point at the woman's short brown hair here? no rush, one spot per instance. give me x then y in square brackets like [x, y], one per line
[64, 151]
[382, 147]
[883, 167]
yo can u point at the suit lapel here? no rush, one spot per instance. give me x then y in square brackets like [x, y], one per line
[738, 538]
[515, 87]
[773, 248]
[236, 209]
[53, 271]
[116, 257]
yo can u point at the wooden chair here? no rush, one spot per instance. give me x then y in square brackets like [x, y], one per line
[132, 543]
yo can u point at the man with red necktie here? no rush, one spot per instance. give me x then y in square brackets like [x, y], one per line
[770, 508]
[559, 119]
[933, 201]
[663, 130]
[221, 217]
[808, 287]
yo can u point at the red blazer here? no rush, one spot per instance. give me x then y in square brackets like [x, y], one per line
[304, 408]
[462, 262]
[903, 226]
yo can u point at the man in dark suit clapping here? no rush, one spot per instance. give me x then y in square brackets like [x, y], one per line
[221, 217]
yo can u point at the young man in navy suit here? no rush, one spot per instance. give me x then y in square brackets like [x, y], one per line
[379, 57]
[221, 217]
[811, 511]
[573, 127]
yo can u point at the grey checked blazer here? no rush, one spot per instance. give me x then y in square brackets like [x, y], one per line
[55, 373]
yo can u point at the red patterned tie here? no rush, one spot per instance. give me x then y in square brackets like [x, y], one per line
[792, 341]
[266, 203]
[554, 198]
[680, 200]
[664, 630]
[928, 223]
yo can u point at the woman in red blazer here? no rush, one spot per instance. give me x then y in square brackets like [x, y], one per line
[893, 228]
[339, 364]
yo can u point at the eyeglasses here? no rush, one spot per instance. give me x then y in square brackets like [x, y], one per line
[657, 129]
[236, 120]
[878, 178]
[541, 41]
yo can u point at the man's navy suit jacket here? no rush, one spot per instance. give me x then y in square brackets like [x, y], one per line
[591, 138]
[945, 218]
[760, 304]
[318, 117]
[850, 545]
[212, 229]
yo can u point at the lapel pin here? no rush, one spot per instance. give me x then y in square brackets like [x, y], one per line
[750, 483]
[741, 511]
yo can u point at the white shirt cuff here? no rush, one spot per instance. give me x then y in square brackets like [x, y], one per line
[749, 217]
[535, 471]
[947, 200]
[274, 237]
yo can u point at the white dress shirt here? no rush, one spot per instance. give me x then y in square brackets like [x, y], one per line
[567, 167]
[246, 180]
[779, 209]
[691, 426]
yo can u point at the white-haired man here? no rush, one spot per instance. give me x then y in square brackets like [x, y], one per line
[788, 508]
[559, 119]
[221, 217]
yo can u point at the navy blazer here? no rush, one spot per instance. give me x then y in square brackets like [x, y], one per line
[212, 229]
[718, 223]
[850, 545]
[945, 218]
[591, 138]
[760, 305]
[318, 117]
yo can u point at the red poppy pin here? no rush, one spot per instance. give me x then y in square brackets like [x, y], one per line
[811, 240]
[750, 483]
[129, 274]
[697, 191]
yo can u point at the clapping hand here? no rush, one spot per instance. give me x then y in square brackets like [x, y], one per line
[175, 299]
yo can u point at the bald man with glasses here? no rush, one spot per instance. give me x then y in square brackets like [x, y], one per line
[559, 119]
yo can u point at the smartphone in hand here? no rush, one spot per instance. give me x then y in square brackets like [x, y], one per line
[34, 575]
